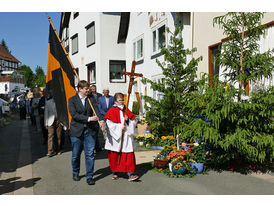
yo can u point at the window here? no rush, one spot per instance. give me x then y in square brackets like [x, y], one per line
[116, 68]
[158, 38]
[214, 67]
[74, 44]
[91, 73]
[90, 34]
[75, 14]
[138, 49]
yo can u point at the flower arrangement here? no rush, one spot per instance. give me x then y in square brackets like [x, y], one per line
[145, 139]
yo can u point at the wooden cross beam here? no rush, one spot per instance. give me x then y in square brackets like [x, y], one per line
[132, 75]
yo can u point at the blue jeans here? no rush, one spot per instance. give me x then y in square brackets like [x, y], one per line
[86, 142]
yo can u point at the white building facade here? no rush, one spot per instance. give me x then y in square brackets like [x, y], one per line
[102, 45]
[146, 31]
[90, 39]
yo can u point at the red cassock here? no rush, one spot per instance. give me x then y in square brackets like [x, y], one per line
[127, 159]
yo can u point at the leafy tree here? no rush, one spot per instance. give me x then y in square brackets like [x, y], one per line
[179, 80]
[240, 56]
[4, 45]
[236, 131]
[40, 77]
[29, 76]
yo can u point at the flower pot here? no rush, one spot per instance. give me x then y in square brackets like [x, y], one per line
[199, 167]
[179, 171]
[160, 163]
[141, 128]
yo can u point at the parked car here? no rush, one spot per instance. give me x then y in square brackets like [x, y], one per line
[5, 106]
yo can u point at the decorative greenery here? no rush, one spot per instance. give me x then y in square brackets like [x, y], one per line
[179, 81]
[240, 56]
[199, 151]
[235, 129]
[135, 108]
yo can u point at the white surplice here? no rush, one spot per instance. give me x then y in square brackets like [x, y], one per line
[114, 134]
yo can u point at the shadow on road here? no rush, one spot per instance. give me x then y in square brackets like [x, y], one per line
[13, 184]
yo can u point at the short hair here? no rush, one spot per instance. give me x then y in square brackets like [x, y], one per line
[82, 84]
[93, 85]
[117, 95]
[105, 89]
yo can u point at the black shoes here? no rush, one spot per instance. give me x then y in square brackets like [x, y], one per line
[75, 177]
[90, 181]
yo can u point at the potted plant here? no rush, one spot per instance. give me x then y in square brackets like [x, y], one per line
[199, 157]
[160, 160]
[142, 126]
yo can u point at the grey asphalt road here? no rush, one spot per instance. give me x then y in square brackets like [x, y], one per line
[25, 169]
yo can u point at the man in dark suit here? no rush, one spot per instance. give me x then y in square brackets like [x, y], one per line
[105, 102]
[82, 130]
[95, 95]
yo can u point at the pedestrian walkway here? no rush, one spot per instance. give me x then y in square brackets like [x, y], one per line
[25, 169]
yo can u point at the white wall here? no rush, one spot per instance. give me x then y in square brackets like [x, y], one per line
[140, 26]
[104, 49]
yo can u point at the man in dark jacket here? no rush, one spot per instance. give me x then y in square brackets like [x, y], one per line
[41, 111]
[83, 130]
[95, 95]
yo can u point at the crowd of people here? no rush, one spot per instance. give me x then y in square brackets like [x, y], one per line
[87, 124]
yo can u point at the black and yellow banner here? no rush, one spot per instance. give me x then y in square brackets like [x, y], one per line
[60, 77]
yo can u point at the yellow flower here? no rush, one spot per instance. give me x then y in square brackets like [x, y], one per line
[174, 147]
[202, 104]
[171, 138]
[179, 164]
[163, 137]
[227, 87]
[175, 167]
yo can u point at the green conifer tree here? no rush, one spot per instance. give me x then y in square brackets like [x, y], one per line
[180, 79]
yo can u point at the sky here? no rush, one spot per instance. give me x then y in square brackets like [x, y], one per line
[26, 35]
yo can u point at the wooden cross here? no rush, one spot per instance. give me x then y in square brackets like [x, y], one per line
[132, 75]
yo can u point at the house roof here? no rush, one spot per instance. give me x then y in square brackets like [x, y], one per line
[4, 54]
[65, 16]
[123, 28]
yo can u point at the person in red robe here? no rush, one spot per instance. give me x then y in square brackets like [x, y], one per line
[114, 119]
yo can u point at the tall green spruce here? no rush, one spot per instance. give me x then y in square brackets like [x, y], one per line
[178, 82]
[236, 130]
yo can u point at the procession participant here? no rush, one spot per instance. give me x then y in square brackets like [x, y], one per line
[41, 111]
[115, 118]
[52, 124]
[83, 129]
[105, 102]
[95, 95]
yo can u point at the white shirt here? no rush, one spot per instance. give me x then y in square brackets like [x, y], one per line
[107, 101]
[83, 99]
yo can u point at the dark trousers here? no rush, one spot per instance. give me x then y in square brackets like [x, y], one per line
[86, 142]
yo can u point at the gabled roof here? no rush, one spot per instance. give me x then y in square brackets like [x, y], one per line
[4, 54]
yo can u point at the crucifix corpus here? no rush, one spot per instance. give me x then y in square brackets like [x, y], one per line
[131, 75]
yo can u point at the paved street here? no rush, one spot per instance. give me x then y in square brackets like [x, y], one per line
[25, 169]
